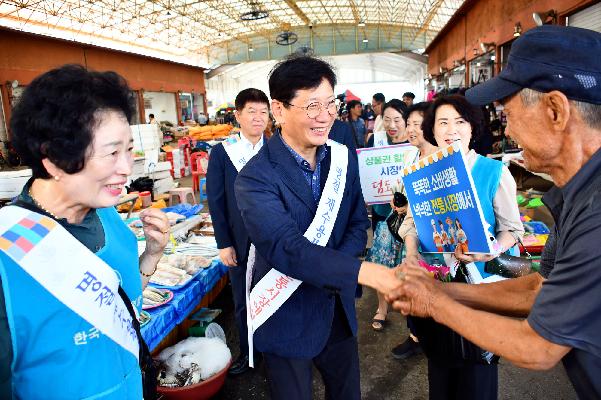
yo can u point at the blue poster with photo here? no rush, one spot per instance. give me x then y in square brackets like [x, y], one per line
[445, 205]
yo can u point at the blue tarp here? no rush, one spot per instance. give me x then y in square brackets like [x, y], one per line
[185, 209]
[165, 318]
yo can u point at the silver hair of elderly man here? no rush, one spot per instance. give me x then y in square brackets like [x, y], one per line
[590, 113]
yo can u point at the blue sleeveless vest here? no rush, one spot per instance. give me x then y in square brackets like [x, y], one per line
[57, 354]
[486, 174]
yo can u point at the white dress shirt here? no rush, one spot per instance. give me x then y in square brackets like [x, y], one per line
[248, 146]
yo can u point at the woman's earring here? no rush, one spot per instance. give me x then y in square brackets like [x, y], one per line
[57, 178]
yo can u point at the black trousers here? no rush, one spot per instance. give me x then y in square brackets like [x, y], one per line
[338, 364]
[467, 382]
[238, 281]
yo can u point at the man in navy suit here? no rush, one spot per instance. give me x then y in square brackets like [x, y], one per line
[278, 193]
[252, 113]
[342, 133]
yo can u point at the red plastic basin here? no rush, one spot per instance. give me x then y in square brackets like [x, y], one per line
[201, 391]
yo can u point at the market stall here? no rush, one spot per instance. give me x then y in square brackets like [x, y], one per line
[187, 278]
[165, 318]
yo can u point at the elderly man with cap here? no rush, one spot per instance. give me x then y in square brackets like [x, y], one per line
[551, 90]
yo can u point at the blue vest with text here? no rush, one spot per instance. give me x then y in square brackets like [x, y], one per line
[57, 354]
[486, 174]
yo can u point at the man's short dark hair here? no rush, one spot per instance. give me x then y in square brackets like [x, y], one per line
[58, 112]
[150, 115]
[409, 94]
[250, 95]
[298, 73]
[472, 114]
[421, 107]
[398, 105]
[351, 104]
[379, 97]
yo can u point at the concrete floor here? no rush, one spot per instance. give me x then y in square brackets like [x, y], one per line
[383, 377]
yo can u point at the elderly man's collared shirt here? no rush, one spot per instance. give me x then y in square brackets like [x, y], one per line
[567, 310]
[312, 177]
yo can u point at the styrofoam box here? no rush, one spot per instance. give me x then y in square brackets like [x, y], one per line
[163, 166]
[12, 182]
[163, 185]
[161, 175]
[146, 137]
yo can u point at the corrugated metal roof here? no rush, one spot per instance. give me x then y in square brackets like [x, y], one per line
[211, 32]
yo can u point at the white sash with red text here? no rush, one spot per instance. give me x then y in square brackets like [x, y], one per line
[275, 288]
[69, 271]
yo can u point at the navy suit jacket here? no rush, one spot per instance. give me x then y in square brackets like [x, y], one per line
[227, 223]
[343, 133]
[277, 206]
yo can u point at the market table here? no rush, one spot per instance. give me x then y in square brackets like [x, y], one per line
[166, 318]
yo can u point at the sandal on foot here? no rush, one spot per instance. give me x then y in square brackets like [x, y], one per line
[378, 323]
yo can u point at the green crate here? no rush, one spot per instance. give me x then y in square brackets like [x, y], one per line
[204, 316]
[197, 330]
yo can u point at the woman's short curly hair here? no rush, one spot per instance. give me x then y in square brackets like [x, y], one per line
[470, 113]
[58, 112]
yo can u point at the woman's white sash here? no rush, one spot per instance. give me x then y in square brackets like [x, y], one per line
[275, 288]
[69, 271]
[380, 139]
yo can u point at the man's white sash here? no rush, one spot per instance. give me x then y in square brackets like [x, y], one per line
[238, 154]
[69, 271]
[275, 288]
[380, 139]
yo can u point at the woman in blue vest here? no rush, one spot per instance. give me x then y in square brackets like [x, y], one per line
[457, 369]
[71, 127]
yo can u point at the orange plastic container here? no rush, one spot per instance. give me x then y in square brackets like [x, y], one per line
[200, 391]
[146, 199]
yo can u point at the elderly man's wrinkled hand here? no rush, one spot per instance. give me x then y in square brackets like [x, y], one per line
[417, 292]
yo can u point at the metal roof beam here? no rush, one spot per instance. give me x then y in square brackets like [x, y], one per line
[431, 14]
[299, 13]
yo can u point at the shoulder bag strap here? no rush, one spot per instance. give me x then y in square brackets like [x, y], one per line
[149, 375]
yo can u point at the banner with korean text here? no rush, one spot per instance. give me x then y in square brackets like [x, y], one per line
[380, 170]
[445, 205]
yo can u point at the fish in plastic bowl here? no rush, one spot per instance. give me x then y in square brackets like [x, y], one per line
[194, 368]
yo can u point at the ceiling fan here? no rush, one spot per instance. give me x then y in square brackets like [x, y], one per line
[286, 38]
[255, 13]
[305, 51]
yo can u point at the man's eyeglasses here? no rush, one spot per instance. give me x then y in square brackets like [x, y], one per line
[314, 109]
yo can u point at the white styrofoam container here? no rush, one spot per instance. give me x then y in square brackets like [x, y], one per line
[146, 137]
[12, 182]
[163, 185]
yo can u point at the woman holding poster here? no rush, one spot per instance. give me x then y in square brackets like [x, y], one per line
[385, 249]
[457, 368]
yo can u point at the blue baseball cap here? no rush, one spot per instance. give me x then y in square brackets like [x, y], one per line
[546, 58]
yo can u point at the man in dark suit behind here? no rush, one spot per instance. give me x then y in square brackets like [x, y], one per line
[252, 113]
[278, 193]
[343, 134]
